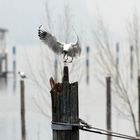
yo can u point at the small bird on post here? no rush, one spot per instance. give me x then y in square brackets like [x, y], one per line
[22, 75]
[68, 50]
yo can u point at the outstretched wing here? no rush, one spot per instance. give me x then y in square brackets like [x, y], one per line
[75, 49]
[50, 41]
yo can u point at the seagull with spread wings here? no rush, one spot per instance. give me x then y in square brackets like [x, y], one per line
[68, 50]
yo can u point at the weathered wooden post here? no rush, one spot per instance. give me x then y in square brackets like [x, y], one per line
[5, 67]
[22, 107]
[14, 61]
[117, 62]
[64, 108]
[87, 64]
[0, 66]
[131, 61]
[139, 106]
[108, 106]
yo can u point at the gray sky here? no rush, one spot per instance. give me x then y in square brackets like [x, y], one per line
[22, 17]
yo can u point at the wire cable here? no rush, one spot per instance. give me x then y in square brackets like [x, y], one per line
[86, 127]
[109, 134]
[114, 133]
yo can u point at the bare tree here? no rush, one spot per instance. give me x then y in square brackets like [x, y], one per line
[107, 64]
[62, 27]
[133, 30]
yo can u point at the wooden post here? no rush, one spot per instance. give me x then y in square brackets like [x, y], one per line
[14, 61]
[65, 108]
[87, 64]
[6, 64]
[22, 100]
[108, 106]
[138, 106]
[117, 62]
[0, 66]
[131, 62]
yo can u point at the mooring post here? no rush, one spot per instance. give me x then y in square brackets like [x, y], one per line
[64, 108]
[6, 65]
[87, 64]
[22, 107]
[14, 61]
[0, 66]
[117, 62]
[138, 106]
[108, 106]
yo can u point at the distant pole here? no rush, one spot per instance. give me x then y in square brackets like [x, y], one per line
[22, 107]
[0, 66]
[117, 61]
[108, 105]
[87, 64]
[14, 61]
[64, 108]
[6, 63]
[139, 105]
[131, 62]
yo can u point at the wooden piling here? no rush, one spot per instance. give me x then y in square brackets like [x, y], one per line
[108, 106]
[117, 62]
[14, 61]
[65, 108]
[87, 64]
[131, 61]
[138, 106]
[22, 107]
[0, 66]
[6, 64]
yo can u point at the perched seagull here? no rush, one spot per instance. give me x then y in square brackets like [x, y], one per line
[68, 50]
[22, 75]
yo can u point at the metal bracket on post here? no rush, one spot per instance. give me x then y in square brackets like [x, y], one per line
[61, 127]
[64, 126]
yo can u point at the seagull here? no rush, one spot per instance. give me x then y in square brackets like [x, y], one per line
[68, 50]
[22, 74]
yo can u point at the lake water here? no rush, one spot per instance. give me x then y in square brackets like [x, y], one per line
[38, 103]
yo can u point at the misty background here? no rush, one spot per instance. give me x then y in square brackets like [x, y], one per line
[106, 19]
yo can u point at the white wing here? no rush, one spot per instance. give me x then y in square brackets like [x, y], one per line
[75, 49]
[50, 41]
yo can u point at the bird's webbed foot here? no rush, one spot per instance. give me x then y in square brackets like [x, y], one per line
[66, 60]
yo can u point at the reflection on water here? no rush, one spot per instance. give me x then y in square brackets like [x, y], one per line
[3, 85]
[8, 124]
[8, 86]
[10, 128]
[36, 124]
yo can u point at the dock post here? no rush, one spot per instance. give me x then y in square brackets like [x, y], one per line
[138, 105]
[87, 64]
[22, 107]
[14, 61]
[108, 106]
[64, 108]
